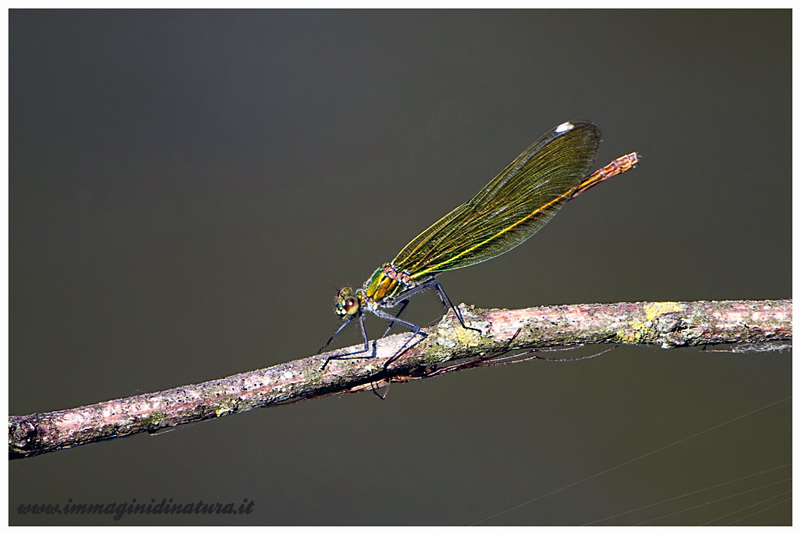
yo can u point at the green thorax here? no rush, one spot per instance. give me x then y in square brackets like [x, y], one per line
[386, 282]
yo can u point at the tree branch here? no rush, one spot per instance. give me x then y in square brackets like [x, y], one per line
[666, 324]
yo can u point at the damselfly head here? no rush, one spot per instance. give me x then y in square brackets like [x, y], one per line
[347, 302]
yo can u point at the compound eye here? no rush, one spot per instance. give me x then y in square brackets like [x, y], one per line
[350, 305]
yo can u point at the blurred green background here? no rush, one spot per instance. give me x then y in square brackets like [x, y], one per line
[188, 189]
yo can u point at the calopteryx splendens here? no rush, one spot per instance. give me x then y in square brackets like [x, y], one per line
[505, 213]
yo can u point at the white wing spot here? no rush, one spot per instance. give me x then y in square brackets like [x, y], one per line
[565, 127]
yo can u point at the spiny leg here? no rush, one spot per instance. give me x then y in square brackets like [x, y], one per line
[338, 330]
[416, 331]
[432, 282]
[351, 355]
[403, 305]
[446, 300]
[382, 315]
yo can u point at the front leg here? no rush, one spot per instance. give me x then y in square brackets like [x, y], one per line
[351, 355]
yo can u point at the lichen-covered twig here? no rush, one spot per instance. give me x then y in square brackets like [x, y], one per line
[665, 324]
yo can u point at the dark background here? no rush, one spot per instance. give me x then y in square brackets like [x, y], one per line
[189, 188]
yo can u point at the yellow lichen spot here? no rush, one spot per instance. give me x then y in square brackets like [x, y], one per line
[634, 333]
[467, 337]
[452, 334]
[654, 309]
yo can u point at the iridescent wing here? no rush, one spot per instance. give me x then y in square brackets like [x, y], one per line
[511, 208]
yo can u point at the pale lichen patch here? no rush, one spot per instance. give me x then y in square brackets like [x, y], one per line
[654, 309]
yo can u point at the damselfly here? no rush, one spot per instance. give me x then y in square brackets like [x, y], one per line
[505, 213]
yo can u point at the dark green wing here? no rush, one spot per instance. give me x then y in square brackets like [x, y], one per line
[511, 208]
